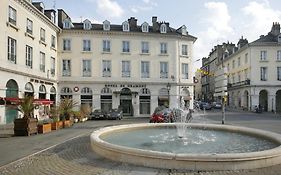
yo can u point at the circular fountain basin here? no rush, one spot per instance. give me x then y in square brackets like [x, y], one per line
[204, 147]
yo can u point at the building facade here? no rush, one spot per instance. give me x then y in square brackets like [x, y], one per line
[210, 65]
[254, 73]
[28, 53]
[129, 66]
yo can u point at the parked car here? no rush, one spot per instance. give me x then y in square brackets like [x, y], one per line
[115, 114]
[98, 114]
[217, 105]
[205, 105]
[162, 114]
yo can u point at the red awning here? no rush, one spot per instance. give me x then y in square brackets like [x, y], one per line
[16, 101]
[43, 101]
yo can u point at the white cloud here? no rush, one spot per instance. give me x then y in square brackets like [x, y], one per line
[217, 24]
[218, 20]
[109, 8]
[260, 18]
[147, 5]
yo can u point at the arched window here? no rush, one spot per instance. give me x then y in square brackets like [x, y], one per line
[163, 28]
[86, 96]
[86, 90]
[126, 27]
[144, 91]
[87, 24]
[145, 27]
[66, 90]
[28, 87]
[53, 90]
[106, 91]
[42, 89]
[106, 25]
[42, 92]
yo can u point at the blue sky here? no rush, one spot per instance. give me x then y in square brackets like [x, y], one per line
[213, 22]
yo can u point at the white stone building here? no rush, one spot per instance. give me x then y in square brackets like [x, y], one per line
[254, 73]
[136, 67]
[28, 54]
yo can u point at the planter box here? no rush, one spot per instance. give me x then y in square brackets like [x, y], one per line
[60, 124]
[55, 126]
[45, 128]
[25, 127]
[67, 123]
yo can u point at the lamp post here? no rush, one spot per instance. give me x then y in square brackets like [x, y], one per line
[169, 88]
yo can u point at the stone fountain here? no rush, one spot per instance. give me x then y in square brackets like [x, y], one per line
[191, 146]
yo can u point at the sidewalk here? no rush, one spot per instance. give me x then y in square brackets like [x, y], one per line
[250, 112]
[13, 148]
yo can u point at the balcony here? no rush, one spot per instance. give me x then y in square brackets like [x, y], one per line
[126, 74]
[163, 74]
[66, 73]
[106, 74]
[239, 84]
[184, 76]
[87, 73]
[145, 75]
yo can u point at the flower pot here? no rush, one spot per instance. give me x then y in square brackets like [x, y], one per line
[55, 125]
[44, 128]
[60, 124]
[25, 127]
[67, 123]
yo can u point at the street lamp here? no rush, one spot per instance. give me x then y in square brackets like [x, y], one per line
[169, 88]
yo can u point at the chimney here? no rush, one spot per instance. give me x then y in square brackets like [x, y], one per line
[154, 24]
[242, 42]
[275, 30]
[133, 23]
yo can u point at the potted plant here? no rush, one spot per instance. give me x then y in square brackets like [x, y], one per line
[54, 115]
[85, 111]
[28, 124]
[66, 111]
[45, 126]
[76, 116]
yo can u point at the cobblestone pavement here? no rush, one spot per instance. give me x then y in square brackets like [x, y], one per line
[76, 157]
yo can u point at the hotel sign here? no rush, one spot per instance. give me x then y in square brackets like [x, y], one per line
[126, 85]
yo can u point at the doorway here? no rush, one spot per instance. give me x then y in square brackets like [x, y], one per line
[126, 102]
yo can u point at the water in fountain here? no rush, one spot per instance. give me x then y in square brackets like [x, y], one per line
[182, 115]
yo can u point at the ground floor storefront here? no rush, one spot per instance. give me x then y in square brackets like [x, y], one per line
[13, 87]
[135, 99]
[267, 97]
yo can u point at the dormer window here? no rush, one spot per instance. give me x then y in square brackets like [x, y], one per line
[279, 38]
[126, 27]
[163, 28]
[183, 30]
[87, 25]
[145, 27]
[67, 24]
[106, 25]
